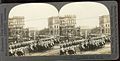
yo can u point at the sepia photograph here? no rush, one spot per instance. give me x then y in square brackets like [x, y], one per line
[40, 29]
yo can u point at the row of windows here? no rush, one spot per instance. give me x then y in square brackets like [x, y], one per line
[54, 32]
[68, 21]
[56, 26]
[107, 25]
[107, 30]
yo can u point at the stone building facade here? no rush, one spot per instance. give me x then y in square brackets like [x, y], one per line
[105, 24]
[15, 27]
[62, 25]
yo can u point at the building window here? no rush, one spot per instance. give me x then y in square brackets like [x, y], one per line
[51, 32]
[106, 30]
[106, 25]
[102, 30]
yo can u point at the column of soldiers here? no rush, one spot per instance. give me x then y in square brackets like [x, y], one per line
[22, 49]
[85, 45]
[68, 48]
[92, 44]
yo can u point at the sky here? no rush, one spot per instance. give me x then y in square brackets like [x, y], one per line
[87, 13]
[36, 14]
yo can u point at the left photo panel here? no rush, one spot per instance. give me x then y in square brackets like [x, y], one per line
[28, 30]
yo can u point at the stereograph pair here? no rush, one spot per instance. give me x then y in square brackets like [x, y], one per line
[75, 30]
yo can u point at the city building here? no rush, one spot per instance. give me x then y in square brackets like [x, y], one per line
[44, 31]
[95, 30]
[15, 27]
[32, 34]
[105, 24]
[62, 25]
[26, 33]
[77, 31]
[54, 26]
[67, 25]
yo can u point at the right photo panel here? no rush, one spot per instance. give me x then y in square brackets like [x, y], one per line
[84, 29]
